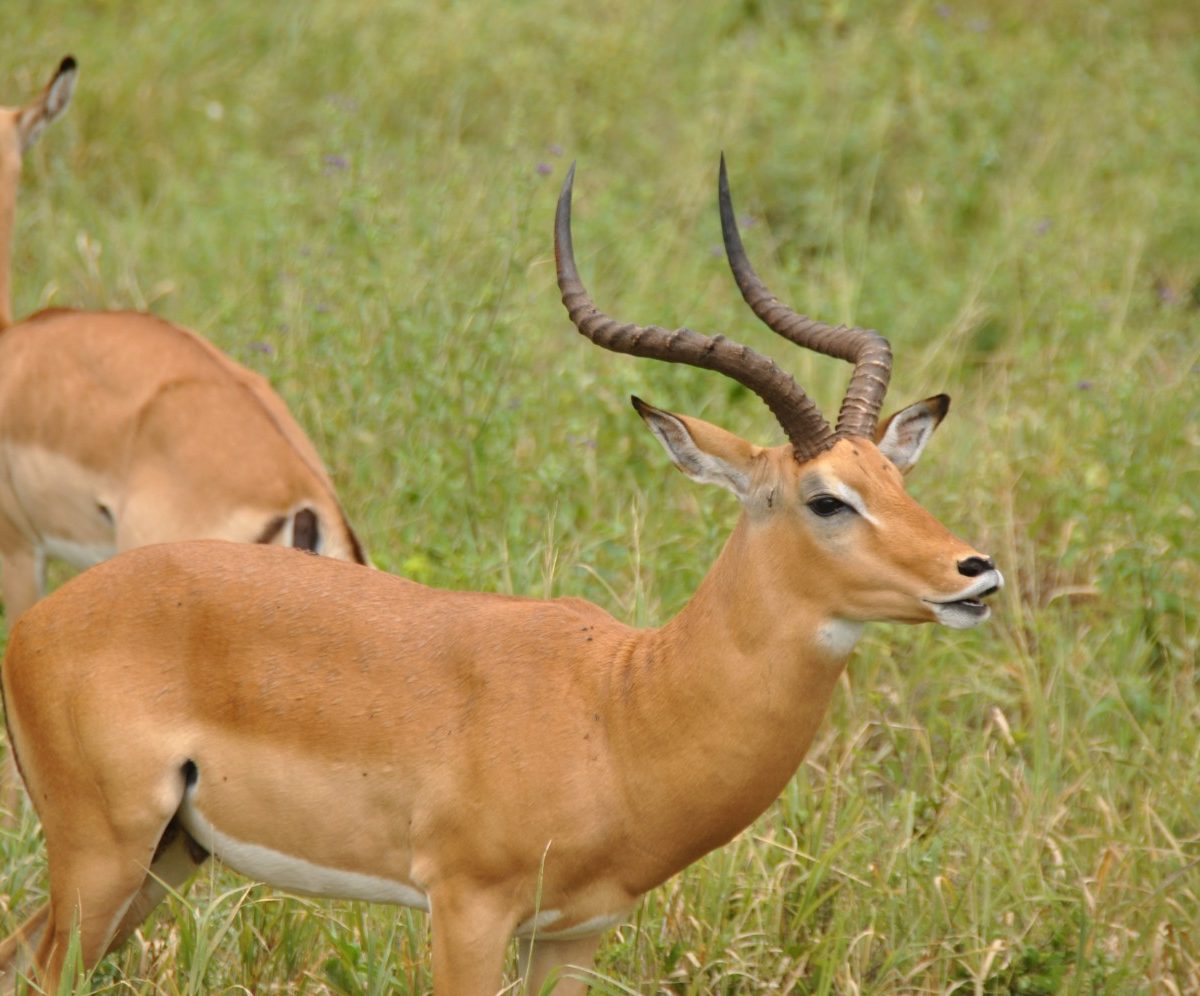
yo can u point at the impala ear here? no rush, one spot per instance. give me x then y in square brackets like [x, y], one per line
[32, 119]
[903, 436]
[703, 451]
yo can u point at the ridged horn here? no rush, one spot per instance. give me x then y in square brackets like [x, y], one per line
[865, 348]
[804, 425]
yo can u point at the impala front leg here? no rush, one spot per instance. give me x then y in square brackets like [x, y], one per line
[23, 579]
[471, 930]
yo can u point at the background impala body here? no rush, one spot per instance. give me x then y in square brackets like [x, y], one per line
[516, 766]
[119, 429]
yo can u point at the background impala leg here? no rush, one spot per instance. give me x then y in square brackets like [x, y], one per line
[541, 957]
[176, 860]
[22, 579]
[10, 789]
[17, 947]
[471, 930]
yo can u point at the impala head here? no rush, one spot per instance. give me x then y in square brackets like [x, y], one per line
[21, 126]
[828, 509]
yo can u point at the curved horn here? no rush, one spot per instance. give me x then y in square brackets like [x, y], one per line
[807, 430]
[865, 348]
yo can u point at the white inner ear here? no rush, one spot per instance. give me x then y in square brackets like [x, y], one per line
[32, 120]
[693, 461]
[60, 94]
[907, 434]
[29, 127]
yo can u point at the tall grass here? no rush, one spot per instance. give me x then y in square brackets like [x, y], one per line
[355, 199]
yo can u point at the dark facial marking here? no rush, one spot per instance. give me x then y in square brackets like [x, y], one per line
[304, 530]
[272, 529]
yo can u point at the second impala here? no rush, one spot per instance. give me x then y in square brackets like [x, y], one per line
[515, 766]
[119, 429]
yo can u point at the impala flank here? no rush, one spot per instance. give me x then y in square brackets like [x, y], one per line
[515, 766]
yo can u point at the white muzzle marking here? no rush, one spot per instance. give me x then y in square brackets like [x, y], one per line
[965, 610]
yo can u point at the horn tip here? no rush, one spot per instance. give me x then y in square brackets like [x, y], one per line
[568, 182]
[562, 214]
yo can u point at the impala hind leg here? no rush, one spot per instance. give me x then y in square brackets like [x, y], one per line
[90, 889]
[106, 883]
[542, 956]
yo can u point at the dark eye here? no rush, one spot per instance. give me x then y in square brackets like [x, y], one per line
[827, 505]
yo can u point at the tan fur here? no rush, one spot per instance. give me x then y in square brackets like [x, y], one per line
[481, 749]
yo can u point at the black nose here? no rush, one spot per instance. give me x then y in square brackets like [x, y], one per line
[972, 567]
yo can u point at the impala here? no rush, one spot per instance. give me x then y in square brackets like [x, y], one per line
[514, 766]
[119, 429]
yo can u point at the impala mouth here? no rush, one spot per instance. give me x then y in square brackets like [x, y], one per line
[967, 609]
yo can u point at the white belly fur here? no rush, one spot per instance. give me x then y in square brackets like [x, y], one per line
[298, 875]
[295, 874]
[542, 925]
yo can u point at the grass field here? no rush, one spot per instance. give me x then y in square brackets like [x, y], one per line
[356, 200]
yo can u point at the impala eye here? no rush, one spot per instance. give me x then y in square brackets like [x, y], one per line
[827, 505]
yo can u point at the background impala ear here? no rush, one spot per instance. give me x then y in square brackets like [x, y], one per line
[33, 118]
[903, 436]
[703, 451]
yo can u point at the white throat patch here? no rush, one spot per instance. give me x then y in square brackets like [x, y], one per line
[838, 637]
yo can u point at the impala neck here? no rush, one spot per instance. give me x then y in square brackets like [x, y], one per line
[717, 709]
[10, 175]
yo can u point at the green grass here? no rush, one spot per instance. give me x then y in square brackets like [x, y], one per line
[347, 197]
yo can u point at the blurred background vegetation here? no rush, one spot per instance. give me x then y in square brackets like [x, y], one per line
[355, 198]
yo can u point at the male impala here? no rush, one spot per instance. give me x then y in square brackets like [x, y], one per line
[119, 429]
[515, 766]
